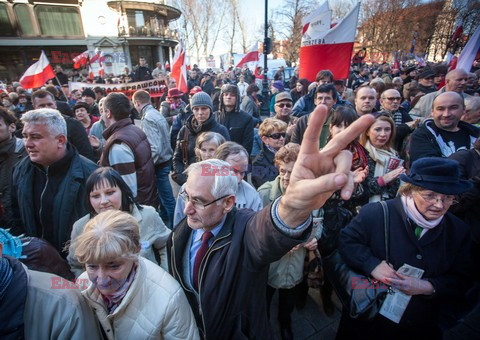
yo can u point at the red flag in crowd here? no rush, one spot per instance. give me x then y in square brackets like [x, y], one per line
[101, 72]
[167, 66]
[96, 56]
[470, 51]
[37, 74]
[80, 60]
[179, 68]
[331, 49]
[251, 56]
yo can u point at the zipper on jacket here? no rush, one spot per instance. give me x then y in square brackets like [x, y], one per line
[41, 201]
[204, 260]
[174, 265]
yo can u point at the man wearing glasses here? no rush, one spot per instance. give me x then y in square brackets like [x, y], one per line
[283, 111]
[220, 255]
[390, 101]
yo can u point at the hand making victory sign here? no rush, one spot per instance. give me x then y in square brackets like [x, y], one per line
[317, 174]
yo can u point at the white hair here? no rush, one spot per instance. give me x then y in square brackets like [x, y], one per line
[225, 182]
[50, 117]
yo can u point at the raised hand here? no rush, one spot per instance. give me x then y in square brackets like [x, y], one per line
[317, 174]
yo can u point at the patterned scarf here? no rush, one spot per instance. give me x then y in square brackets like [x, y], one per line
[114, 300]
[359, 159]
[6, 275]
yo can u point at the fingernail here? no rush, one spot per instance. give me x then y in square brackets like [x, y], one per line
[347, 193]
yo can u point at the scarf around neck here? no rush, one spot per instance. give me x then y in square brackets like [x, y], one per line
[381, 157]
[417, 218]
[114, 300]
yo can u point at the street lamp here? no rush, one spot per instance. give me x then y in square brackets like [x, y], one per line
[266, 98]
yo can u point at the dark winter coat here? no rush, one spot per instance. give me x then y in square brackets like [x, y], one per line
[423, 142]
[69, 200]
[233, 275]
[443, 253]
[239, 123]
[191, 133]
[263, 167]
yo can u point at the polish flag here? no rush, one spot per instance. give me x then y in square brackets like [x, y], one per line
[37, 74]
[90, 72]
[179, 68]
[80, 60]
[470, 51]
[101, 71]
[96, 56]
[319, 20]
[251, 56]
[331, 49]
[167, 65]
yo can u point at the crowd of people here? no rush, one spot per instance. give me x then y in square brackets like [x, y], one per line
[179, 217]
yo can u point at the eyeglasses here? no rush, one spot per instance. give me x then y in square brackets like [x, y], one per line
[393, 99]
[277, 135]
[434, 198]
[282, 105]
[197, 204]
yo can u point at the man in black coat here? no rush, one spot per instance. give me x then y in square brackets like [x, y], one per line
[238, 122]
[445, 134]
[221, 255]
[142, 72]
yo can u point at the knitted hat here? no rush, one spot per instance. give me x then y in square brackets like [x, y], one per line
[201, 99]
[441, 175]
[278, 84]
[89, 93]
[174, 93]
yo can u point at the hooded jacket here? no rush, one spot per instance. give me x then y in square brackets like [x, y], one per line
[238, 122]
[189, 133]
[426, 143]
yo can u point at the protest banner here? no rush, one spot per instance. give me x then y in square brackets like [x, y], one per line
[155, 87]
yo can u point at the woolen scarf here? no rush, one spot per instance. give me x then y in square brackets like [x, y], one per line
[381, 157]
[413, 213]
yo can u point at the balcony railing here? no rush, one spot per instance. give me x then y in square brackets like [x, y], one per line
[148, 31]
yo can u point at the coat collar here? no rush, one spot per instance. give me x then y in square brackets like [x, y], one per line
[116, 126]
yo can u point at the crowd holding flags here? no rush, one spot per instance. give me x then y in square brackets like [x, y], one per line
[179, 67]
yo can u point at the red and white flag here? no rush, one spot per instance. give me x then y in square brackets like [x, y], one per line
[90, 72]
[250, 57]
[470, 51]
[96, 56]
[179, 68]
[331, 49]
[101, 71]
[167, 66]
[80, 60]
[37, 74]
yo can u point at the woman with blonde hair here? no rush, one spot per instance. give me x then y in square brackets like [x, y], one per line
[132, 297]
[384, 164]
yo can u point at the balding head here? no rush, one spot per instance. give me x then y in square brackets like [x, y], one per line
[456, 80]
[447, 110]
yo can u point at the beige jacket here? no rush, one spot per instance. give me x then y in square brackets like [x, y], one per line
[153, 237]
[155, 307]
[55, 309]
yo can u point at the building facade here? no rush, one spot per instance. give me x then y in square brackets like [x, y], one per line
[123, 30]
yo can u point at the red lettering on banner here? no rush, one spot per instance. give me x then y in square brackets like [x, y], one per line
[56, 57]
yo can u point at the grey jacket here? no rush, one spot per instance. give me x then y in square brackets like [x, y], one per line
[156, 128]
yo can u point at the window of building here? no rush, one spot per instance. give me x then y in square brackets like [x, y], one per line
[5, 25]
[23, 19]
[59, 21]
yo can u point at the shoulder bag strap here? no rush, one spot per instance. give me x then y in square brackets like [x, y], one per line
[185, 147]
[387, 229]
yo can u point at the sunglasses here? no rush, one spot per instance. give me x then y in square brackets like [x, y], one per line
[282, 105]
[277, 135]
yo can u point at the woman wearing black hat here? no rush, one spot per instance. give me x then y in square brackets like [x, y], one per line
[82, 114]
[421, 234]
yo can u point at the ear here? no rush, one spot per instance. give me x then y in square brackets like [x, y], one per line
[62, 139]
[12, 128]
[264, 139]
[229, 204]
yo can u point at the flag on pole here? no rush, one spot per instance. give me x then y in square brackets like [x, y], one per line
[80, 60]
[330, 49]
[96, 56]
[179, 68]
[469, 52]
[37, 74]
[101, 71]
[90, 72]
[250, 57]
[167, 66]
[319, 20]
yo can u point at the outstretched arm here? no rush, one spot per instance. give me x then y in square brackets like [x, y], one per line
[317, 174]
